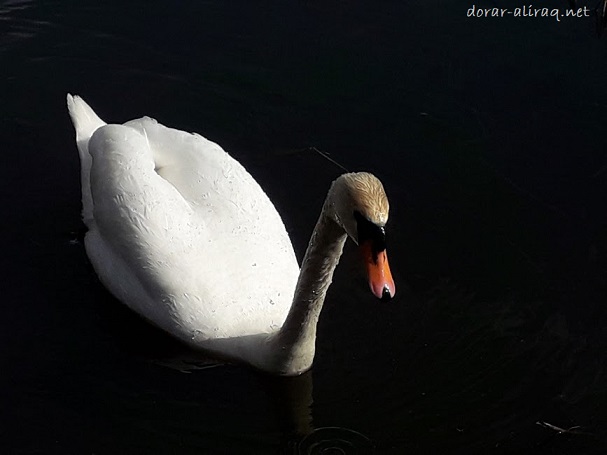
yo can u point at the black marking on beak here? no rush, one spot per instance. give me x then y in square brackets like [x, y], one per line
[368, 230]
[386, 294]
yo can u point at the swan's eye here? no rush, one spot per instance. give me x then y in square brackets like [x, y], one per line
[369, 231]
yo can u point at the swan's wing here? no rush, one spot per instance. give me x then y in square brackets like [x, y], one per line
[199, 169]
[142, 216]
[194, 225]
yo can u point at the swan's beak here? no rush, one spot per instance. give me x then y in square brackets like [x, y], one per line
[378, 271]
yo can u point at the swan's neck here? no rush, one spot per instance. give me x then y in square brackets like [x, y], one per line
[293, 346]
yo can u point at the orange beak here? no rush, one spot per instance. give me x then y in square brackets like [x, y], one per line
[378, 271]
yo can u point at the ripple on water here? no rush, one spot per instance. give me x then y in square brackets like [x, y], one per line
[335, 441]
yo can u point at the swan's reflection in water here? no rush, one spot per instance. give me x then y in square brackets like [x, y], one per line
[293, 400]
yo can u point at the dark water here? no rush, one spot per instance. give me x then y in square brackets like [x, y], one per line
[489, 135]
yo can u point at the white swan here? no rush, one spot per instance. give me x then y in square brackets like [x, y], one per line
[182, 234]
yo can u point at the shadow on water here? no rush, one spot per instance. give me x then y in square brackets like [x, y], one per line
[186, 397]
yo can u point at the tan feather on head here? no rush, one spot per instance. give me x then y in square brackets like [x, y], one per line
[369, 196]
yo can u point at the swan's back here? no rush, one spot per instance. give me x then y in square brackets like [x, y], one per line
[180, 231]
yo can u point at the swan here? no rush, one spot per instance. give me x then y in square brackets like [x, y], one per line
[182, 234]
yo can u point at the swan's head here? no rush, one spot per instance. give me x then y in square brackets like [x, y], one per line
[358, 203]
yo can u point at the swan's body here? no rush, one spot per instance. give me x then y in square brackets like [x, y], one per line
[181, 233]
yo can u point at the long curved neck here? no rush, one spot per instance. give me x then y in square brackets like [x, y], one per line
[295, 342]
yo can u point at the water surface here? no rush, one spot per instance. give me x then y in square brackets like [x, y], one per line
[489, 136]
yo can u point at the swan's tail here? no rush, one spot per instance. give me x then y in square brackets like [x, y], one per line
[86, 122]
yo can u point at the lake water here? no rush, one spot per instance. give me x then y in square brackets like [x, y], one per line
[489, 136]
